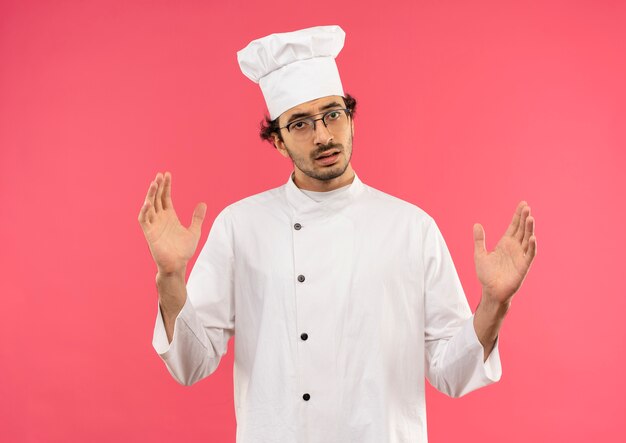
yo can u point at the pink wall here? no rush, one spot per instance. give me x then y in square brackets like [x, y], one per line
[465, 109]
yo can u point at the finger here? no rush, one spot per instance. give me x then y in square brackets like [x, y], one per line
[197, 218]
[144, 213]
[158, 204]
[528, 232]
[532, 249]
[512, 229]
[167, 191]
[151, 191]
[479, 240]
[521, 228]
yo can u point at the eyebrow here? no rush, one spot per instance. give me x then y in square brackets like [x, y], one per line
[307, 114]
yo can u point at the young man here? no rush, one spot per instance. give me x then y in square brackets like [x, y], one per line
[341, 298]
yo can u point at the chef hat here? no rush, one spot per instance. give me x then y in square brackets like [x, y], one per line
[294, 67]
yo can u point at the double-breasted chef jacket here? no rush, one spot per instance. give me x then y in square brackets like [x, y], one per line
[339, 308]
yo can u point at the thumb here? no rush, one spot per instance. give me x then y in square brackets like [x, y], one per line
[198, 217]
[479, 240]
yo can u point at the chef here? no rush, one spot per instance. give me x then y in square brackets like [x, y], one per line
[341, 299]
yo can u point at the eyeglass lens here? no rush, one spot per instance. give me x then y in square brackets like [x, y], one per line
[334, 120]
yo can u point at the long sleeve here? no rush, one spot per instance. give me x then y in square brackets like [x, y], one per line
[454, 356]
[207, 320]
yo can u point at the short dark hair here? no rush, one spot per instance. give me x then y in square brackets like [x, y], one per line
[270, 127]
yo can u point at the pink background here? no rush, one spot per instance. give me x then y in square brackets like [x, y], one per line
[465, 108]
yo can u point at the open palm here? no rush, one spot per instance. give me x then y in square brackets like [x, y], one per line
[172, 245]
[502, 271]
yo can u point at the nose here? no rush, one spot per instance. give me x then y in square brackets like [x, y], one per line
[322, 134]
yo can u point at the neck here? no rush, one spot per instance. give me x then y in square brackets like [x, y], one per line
[307, 183]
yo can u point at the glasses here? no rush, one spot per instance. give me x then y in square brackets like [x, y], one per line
[334, 120]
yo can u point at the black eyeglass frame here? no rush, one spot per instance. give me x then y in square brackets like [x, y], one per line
[323, 115]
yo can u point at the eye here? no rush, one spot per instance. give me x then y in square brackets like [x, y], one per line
[333, 115]
[299, 126]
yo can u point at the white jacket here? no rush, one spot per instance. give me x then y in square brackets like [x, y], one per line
[367, 277]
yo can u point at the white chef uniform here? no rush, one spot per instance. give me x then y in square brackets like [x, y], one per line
[339, 308]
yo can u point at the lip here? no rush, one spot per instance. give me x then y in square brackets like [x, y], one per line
[329, 160]
[326, 153]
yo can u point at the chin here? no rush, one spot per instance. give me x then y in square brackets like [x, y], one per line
[331, 172]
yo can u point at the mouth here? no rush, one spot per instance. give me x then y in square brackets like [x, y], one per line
[328, 157]
[328, 153]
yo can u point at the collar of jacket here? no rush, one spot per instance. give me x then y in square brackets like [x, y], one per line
[302, 204]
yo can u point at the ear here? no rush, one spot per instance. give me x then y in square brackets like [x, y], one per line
[280, 145]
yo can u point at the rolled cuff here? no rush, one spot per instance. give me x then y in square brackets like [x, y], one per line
[185, 317]
[492, 367]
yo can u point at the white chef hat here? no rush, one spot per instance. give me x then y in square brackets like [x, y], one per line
[294, 67]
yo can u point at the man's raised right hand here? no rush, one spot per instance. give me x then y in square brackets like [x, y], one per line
[171, 244]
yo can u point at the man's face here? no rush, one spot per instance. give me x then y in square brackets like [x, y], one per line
[314, 168]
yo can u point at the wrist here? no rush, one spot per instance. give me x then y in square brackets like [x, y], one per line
[170, 275]
[172, 292]
[488, 320]
[493, 304]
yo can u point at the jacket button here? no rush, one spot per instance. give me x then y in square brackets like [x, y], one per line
[300, 278]
[297, 226]
[304, 336]
[306, 397]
